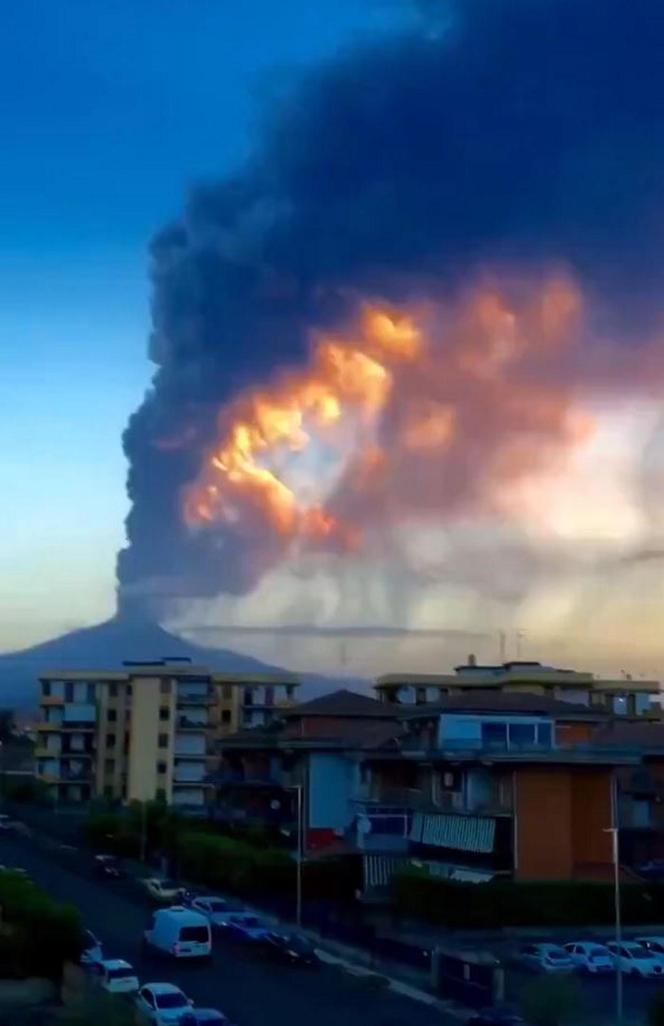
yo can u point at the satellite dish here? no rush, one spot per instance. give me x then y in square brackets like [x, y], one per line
[364, 825]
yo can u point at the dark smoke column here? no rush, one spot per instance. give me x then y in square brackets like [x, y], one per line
[530, 133]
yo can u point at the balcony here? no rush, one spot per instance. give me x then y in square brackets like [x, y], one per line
[184, 698]
[49, 700]
[413, 800]
[187, 723]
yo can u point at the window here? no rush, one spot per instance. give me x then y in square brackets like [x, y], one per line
[90, 695]
[162, 767]
[109, 765]
[112, 690]
[129, 690]
[108, 791]
[269, 695]
[163, 741]
[494, 735]
[69, 691]
[110, 740]
[199, 934]
[225, 716]
[248, 696]
[545, 735]
[522, 735]
[46, 688]
[227, 692]
[164, 713]
[112, 715]
[165, 687]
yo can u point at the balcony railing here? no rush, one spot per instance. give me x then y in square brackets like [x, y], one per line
[186, 723]
[421, 801]
[184, 699]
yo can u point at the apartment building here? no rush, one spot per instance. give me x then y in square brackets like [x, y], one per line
[148, 730]
[623, 696]
[480, 785]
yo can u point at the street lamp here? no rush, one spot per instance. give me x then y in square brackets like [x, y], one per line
[299, 854]
[618, 920]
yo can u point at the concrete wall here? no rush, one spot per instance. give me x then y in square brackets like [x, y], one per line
[144, 752]
[332, 783]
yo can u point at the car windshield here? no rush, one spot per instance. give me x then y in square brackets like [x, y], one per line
[598, 952]
[217, 906]
[195, 933]
[120, 974]
[171, 1000]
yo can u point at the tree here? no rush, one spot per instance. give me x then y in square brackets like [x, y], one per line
[7, 724]
[550, 1000]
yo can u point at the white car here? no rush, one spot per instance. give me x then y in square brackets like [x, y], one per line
[116, 976]
[590, 957]
[162, 890]
[634, 960]
[164, 1004]
[548, 958]
[216, 910]
[655, 945]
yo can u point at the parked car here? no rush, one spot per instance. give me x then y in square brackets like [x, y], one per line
[216, 910]
[655, 945]
[635, 960]
[210, 1017]
[294, 949]
[179, 932]
[8, 823]
[548, 958]
[590, 957]
[164, 1004]
[652, 870]
[92, 949]
[115, 976]
[498, 1015]
[107, 867]
[245, 928]
[162, 890]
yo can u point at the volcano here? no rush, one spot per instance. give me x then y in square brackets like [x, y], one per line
[106, 645]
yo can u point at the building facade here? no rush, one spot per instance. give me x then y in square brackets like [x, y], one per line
[621, 697]
[477, 786]
[148, 730]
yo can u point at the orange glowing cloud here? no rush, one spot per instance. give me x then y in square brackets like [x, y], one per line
[425, 412]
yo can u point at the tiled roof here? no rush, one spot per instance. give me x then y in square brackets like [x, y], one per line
[342, 703]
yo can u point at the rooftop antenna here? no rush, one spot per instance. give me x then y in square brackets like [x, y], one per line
[502, 646]
[520, 636]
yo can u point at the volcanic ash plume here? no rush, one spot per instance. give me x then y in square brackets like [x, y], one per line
[444, 249]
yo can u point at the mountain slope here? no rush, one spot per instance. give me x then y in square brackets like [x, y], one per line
[106, 645]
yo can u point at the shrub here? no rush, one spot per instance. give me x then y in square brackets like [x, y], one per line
[506, 903]
[38, 934]
[656, 1009]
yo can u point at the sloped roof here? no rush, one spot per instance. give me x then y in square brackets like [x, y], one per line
[342, 703]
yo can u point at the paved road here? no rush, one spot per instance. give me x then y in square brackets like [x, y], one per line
[250, 991]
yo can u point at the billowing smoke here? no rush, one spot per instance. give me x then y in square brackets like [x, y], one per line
[514, 158]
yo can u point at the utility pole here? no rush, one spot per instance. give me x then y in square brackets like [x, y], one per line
[300, 846]
[615, 846]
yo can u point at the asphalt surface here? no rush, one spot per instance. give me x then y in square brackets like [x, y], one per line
[249, 990]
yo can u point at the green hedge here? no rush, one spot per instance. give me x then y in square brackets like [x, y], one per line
[37, 934]
[504, 903]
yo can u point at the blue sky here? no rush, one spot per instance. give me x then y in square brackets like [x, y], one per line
[108, 111]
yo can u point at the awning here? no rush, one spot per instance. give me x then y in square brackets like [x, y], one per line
[464, 833]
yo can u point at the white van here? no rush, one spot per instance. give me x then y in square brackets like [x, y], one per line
[179, 932]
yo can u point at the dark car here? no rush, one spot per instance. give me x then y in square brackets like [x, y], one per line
[293, 948]
[496, 1016]
[107, 867]
[210, 1017]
